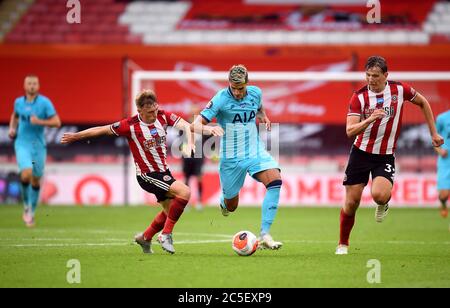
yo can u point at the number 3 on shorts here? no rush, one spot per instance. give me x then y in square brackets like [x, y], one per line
[389, 168]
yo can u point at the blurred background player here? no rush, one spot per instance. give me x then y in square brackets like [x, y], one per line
[242, 151]
[193, 165]
[32, 112]
[443, 166]
[146, 134]
[375, 120]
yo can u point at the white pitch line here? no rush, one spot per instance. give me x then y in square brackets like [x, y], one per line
[216, 241]
[103, 231]
[206, 234]
[65, 245]
[43, 239]
[107, 244]
[53, 231]
[371, 242]
[60, 239]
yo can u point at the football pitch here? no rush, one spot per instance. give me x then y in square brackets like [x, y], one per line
[410, 249]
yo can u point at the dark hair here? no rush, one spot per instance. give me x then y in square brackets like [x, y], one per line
[377, 61]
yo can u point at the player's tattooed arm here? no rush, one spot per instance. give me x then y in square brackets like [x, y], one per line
[86, 134]
[263, 118]
[13, 122]
[423, 103]
[51, 122]
[200, 126]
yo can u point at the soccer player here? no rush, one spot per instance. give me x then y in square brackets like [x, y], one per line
[375, 118]
[32, 112]
[146, 134]
[443, 166]
[242, 151]
[193, 164]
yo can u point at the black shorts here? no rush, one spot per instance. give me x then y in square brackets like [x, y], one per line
[157, 183]
[192, 166]
[361, 164]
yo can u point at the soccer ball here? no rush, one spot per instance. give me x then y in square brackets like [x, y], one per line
[245, 243]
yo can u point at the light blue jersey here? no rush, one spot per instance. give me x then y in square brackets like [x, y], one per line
[238, 119]
[30, 145]
[443, 128]
[40, 107]
[242, 150]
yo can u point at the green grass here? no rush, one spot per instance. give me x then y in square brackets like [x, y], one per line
[412, 245]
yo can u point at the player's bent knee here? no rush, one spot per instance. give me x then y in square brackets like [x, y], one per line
[186, 194]
[181, 191]
[444, 194]
[26, 176]
[232, 207]
[232, 204]
[35, 182]
[351, 206]
[381, 198]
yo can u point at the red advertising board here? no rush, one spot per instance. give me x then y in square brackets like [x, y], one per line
[86, 83]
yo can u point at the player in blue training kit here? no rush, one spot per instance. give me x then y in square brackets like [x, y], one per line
[443, 166]
[242, 151]
[32, 112]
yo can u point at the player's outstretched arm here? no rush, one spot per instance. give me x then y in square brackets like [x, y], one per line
[87, 133]
[423, 103]
[189, 147]
[200, 126]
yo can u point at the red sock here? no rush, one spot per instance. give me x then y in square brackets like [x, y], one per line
[347, 223]
[176, 209]
[156, 226]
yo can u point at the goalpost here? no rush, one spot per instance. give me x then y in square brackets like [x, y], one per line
[286, 76]
[139, 76]
[141, 79]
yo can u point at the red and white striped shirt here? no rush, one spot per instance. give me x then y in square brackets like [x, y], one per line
[147, 141]
[380, 137]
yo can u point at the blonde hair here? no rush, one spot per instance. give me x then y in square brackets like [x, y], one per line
[238, 74]
[31, 76]
[146, 97]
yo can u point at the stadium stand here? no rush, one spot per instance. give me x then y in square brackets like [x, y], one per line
[219, 22]
[10, 13]
[45, 22]
[438, 22]
[199, 35]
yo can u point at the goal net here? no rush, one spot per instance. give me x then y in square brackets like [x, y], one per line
[310, 109]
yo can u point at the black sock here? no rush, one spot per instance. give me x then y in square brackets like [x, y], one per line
[200, 190]
[25, 192]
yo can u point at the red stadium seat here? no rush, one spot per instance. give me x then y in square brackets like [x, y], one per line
[98, 18]
[53, 38]
[133, 39]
